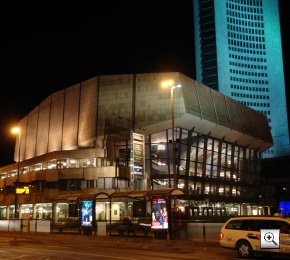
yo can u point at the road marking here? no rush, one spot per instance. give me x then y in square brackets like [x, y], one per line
[85, 254]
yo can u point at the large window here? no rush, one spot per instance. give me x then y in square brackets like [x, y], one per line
[204, 165]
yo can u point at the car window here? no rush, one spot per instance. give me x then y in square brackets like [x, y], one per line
[260, 224]
[282, 225]
[234, 224]
[257, 225]
[254, 225]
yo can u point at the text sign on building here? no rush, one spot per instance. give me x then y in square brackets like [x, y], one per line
[138, 147]
[24, 190]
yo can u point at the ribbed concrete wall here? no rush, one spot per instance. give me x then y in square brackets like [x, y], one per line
[71, 118]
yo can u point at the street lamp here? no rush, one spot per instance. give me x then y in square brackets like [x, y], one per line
[170, 84]
[17, 131]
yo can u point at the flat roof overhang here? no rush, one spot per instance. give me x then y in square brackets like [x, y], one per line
[212, 129]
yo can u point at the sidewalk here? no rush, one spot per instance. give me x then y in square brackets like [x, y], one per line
[132, 242]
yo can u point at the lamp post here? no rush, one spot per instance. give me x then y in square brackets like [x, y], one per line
[170, 84]
[17, 131]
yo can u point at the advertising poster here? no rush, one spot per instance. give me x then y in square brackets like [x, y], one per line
[87, 213]
[159, 213]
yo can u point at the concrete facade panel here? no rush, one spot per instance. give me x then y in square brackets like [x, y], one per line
[260, 123]
[31, 133]
[153, 102]
[234, 113]
[20, 144]
[56, 121]
[73, 173]
[71, 118]
[206, 103]
[115, 104]
[43, 127]
[221, 109]
[191, 102]
[88, 116]
[246, 120]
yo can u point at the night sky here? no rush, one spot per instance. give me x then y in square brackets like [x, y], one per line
[47, 49]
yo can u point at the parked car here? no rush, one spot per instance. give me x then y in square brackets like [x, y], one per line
[244, 235]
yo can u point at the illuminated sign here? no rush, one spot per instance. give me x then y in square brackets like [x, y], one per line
[284, 207]
[159, 213]
[24, 190]
[87, 213]
[137, 154]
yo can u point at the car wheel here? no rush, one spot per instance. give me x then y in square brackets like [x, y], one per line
[244, 249]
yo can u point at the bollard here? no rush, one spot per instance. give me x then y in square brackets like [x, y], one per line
[203, 231]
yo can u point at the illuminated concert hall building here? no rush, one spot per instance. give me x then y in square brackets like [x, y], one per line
[113, 133]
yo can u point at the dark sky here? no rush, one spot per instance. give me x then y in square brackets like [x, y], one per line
[51, 48]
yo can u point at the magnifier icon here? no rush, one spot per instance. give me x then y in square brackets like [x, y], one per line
[269, 237]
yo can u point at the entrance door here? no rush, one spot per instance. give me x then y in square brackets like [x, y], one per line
[207, 211]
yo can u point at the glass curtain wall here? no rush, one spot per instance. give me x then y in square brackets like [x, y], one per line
[206, 167]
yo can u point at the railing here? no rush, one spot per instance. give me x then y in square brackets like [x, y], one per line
[189, 230]
[25, 225]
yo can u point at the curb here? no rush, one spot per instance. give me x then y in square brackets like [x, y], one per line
[144, 242]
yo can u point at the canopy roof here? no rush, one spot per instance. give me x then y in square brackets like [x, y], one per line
[120, 194]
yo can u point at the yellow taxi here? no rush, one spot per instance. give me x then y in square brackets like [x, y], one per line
[268, 235]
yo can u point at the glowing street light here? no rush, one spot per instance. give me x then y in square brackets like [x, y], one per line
[17, 131]
[170, 84]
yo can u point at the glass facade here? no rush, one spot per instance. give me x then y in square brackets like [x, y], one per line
[206, 168]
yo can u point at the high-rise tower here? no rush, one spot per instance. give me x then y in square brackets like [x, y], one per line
[239, 53]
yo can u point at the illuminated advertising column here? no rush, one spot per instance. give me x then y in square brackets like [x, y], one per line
[87, 214]
[159, 213]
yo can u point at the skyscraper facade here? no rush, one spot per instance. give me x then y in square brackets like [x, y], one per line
[239, 53]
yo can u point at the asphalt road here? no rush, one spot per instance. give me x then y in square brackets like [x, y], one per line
[72, 247]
